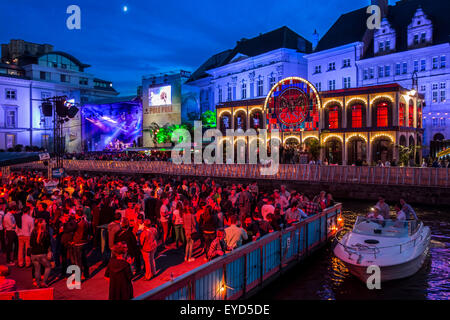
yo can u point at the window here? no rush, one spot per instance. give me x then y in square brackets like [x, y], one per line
[435, 92]
[45, 141]
[272, 82]
[333, 117]
[405, 68]
[398, 68]
[423, 37]
[318, 69]
[442, 92]
[387, 71]
[229, 91]
[416, 65]
[371, 73]
[435, 122]
[332, 66]
[65, 78]
[44, 75]
[435, 62]
[259, 87]
[401, 115]
[416, 39]
[11, 94]
[381, 46]
[366, 74]
[331, 85]
[10, 140]
[442, 122]
[442, 62]
[423, 64]
[388, 45]
[423, 88]
[319, 86]
[346, 63]
[357, 116]
[219, 94]
[382, 114]
[244, 90]
[11, 117]
[84, 81]
[411, 114]
[380, 72]
[346, 82]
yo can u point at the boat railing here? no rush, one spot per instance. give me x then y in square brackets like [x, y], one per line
[362, 248]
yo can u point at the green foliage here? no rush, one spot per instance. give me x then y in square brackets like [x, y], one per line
[406, 153]
[209, 119]
[314, 148]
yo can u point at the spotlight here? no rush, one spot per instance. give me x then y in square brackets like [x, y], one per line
[61, 109]
[72, 112]
[47, 109]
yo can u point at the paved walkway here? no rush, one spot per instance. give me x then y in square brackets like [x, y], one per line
[169, 263]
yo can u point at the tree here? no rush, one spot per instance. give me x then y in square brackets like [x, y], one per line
[209, 119]
[406, 153]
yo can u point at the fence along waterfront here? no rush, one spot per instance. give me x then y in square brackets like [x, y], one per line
[249, 267]
[433, 177]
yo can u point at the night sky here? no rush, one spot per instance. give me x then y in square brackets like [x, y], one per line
[158, 36]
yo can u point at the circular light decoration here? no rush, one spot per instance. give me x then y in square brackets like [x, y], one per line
[293, 105]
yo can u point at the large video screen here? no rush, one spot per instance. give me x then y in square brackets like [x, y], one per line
[112, 126]
[160, 96]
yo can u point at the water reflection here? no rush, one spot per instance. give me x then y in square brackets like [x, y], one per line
[325, 277]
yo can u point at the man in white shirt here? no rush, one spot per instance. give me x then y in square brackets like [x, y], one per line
[24, 233]
[267, 208]
[9, 224]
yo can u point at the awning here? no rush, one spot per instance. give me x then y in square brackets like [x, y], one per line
[444, 153]
[12, 158]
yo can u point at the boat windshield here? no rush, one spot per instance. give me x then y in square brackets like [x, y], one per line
[385, 228]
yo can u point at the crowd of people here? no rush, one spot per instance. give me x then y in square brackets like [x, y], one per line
[120, 156]
[47, 225]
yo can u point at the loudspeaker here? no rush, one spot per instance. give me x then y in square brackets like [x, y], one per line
[61, 109]
[47, 109]
[72, 112]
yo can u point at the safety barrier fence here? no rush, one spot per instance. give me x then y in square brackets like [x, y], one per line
[433, 177]
[249, 267]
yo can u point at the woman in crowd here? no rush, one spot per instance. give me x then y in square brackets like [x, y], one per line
[119, 274]
[40, 252]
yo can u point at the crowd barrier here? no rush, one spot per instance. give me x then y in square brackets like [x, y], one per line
[249, 267]
[433, 177]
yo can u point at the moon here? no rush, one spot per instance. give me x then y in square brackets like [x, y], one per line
[125, 8]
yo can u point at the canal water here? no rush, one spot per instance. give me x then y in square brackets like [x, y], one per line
[322, 276]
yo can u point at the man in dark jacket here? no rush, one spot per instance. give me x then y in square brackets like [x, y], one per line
[126, 235]
[67, 229]
[119, 274]
[78, 244]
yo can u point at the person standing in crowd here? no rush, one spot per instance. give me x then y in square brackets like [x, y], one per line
[113, 228]
[2, 230]
[148, 240]
[23, 234]
[164, 219]
[127, 236]
[78, 245]
[9, 224]
[66, 231]
[40, 251]
[234, 235]
[189, 225]
[119, 274]
[208, 225]
[218, 246]
[177, 218]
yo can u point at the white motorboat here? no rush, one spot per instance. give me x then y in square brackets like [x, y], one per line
[398, 248]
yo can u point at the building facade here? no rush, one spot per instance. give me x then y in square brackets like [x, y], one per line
[411, 48]
[30, 73]
[251, 69]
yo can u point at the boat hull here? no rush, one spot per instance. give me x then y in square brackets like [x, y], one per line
[388, 273]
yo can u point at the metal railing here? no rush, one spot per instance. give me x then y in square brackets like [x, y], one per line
[433, 177]
[244, 269]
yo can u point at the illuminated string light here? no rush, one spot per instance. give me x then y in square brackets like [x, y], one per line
[325, 139]
[332, 101]
[355, 99]
[356, 135]
[380, 135]
[382, 97]
[292, 137]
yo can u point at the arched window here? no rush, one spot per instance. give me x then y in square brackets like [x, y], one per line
[401, 114]
[256, 120]
[382, 114]
[357, 116]
[411, 114]
[438, 137]
[333, 117]
[419, 115]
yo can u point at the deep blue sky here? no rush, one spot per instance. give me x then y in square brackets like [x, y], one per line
[158, 36]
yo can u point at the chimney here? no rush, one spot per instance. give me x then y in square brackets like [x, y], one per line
[383, 4]
[315, 40]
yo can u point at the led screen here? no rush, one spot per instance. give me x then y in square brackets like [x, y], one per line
[160, 96]
[112, 126]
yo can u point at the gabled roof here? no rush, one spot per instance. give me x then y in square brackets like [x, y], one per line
[350, 27]
[280, 38]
